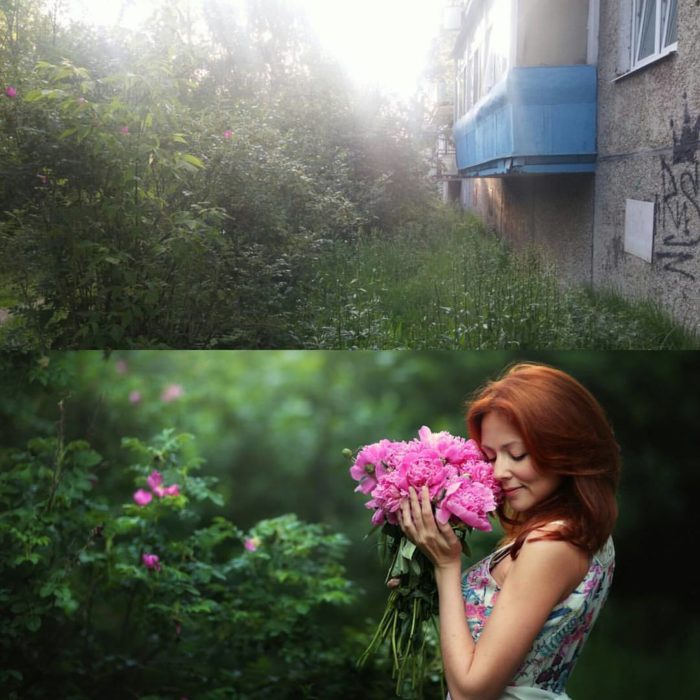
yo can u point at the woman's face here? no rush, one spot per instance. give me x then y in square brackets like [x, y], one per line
[523, 486]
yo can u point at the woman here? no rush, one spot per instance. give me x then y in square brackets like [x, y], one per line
[531, 604]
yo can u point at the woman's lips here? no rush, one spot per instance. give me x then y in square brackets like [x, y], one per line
[511, 491]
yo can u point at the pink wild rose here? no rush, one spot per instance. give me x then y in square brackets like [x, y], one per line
[121, 366]
[171, 392]
[135, 397]
[228, 134]
[142, 498]
[173, 490]
[155, 480]
[151, 561]
[11, 91]
[124, 130]
[251, 543]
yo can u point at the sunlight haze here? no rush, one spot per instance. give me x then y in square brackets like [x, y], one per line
[380, 43]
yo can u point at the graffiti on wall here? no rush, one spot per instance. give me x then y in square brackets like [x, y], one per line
[678, 205]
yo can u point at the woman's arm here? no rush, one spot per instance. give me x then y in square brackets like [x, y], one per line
[544, 573]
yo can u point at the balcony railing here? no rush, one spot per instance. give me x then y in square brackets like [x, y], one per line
[536, 120]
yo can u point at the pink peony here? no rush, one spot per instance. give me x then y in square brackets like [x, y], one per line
[251, 543]
[459, 480]
[482, 473]
[10, 91]
[142, 498]
[151, 561]
[455, 450]
[370, 464]
[387, 498]
[171, 392]
[228, 134]
[467, 501]
[424, 467]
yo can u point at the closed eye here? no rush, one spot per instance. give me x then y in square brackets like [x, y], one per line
[518, 458]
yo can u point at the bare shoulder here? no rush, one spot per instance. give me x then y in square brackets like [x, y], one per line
[558, 561]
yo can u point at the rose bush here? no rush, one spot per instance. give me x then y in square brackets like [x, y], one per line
[111, 594]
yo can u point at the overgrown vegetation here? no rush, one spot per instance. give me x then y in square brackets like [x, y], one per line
[214, 181]
[449, 284]
[148, 601]
[168, 189]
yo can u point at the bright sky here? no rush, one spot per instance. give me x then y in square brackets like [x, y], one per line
[379, 42]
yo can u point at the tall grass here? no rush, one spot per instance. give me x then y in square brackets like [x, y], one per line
[449, 284]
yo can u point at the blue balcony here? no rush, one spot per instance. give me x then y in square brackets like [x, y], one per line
[536, 120]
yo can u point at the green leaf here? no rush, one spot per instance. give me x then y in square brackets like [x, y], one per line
[87, 458]
[192, 160]
[33, 95]
[407, 549]
[33, 623]
[47, 589]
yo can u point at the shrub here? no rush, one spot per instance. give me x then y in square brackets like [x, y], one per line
[109, 598]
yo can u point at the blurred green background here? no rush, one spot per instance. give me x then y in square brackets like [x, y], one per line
[271, 426]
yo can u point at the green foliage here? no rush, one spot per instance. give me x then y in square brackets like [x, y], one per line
[165, 189]
[213, 620]
[271, 427]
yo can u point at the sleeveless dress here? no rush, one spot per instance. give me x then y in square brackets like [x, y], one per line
[548, 665]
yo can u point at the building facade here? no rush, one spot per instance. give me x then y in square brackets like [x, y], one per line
[647, 189]
[575, 127]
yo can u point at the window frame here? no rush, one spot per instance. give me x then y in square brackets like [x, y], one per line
[638, 7]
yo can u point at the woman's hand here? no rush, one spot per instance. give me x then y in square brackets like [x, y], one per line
[438, 542]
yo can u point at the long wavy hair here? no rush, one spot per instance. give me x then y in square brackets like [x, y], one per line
[565, 432]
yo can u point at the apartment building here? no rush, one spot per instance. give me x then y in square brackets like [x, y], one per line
[575, 127]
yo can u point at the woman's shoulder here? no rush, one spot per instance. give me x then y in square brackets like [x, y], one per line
[546, 528]
[557, 556]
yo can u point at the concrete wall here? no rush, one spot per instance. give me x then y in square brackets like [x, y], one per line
[648, 150]
[551, 32]
[553, 211]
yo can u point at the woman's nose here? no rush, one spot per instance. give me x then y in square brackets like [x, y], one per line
[500, 468]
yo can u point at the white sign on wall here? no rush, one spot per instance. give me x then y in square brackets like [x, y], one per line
[639, 228]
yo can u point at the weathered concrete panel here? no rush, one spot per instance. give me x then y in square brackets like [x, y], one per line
[648, 149]
[555, 212]
[552, 32]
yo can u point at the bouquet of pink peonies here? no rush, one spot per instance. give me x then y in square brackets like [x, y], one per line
[463, 492]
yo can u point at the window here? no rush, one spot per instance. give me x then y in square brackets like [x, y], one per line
[475, 79]
[654, 30]
[461, 100]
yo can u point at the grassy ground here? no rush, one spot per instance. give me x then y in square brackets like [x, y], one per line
[442, 284]
[452, 285]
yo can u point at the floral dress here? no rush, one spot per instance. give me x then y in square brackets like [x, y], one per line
[554, 652]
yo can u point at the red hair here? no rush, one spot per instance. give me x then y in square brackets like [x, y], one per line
[565, 432]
